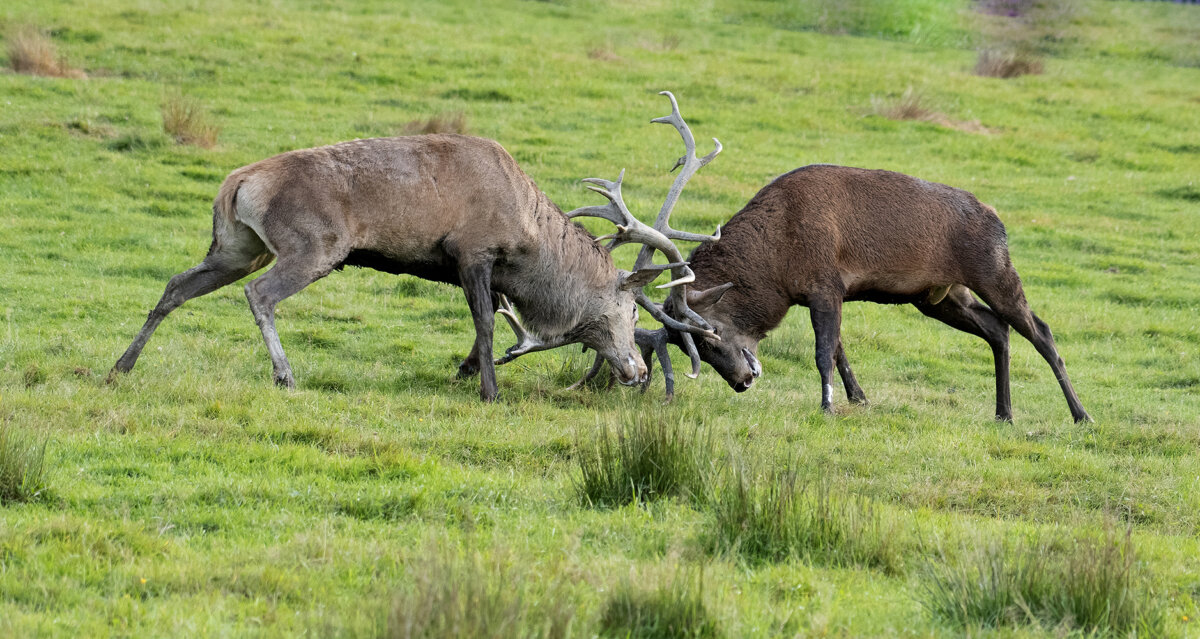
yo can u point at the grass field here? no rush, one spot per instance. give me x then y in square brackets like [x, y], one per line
[193, 498]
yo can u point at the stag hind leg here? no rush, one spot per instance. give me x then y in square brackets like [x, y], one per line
[960, 310]
[235, 253]
[1006, 297]
[854, 392]
[293, 271]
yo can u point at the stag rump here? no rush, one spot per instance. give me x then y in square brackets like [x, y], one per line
[447, 208]
[823, 235]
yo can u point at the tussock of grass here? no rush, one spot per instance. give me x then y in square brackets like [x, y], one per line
[669, 612]
[773, 516]
[185, 120]
[650, 455]
[22, 466]
[1094, 585]
[457, 593]
[1006, 64]
[911, 106]
[31, 52]
[452, 122]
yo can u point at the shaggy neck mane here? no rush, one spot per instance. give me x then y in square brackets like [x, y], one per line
[560, 281]
[757, 302]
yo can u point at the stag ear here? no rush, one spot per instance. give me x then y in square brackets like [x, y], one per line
[701, 301]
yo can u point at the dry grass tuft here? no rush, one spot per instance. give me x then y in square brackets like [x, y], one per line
[453, 122]
[604, 53]
[31, 52]
[994, 63]
[911, 106]
[188, 123]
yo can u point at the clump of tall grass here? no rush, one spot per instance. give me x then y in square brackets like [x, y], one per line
[1015, 34]
[646, 456]
[185, 120]
[22, 465]
[773, 515]
[668, 612]
[1002, 63]
[31, 52]
[460, 593]
[453, 122]
[1089, 584]
[912, 105]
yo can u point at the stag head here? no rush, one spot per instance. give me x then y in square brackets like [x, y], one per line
[657, 238]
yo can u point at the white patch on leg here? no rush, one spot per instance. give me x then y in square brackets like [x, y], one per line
[828, 394]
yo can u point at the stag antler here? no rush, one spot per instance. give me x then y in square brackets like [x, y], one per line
[526, 342]
[631, 230]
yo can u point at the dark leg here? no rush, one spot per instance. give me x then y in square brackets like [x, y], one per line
[827, 326]
[477, 284]
[960, 310]
[1007, 299]
[854, 392]
[291, 274]
[217, 270]
[470, 366]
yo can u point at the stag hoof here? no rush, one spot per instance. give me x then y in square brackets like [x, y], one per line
[114, 374]
[859, 399]
[1001, 417]
[467, 369]
[1084, 418]
[285, 381]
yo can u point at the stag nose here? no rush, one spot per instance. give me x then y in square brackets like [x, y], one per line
[633, 372]
[743, 386]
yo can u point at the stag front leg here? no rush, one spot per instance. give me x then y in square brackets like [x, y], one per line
[470, 366]
[827, 326]
[477, 285]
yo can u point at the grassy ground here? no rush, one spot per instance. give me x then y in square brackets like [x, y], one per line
[194, 498]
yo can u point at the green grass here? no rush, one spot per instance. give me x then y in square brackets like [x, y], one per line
[22, 466]
[674, 611]
[192, 498]
[646, 456]
[772, 515]
[1092, 585]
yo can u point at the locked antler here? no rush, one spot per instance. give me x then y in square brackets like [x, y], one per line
[526, 342]
[631, 230]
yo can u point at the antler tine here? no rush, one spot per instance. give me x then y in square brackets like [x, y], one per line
[632, 230]
[656, 311]
[526, 342]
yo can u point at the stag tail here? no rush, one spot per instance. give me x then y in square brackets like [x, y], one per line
[225, 205]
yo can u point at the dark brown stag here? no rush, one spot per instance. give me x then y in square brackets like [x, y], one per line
[823, 235]
[447, 208]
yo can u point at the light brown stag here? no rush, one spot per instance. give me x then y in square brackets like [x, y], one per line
[447, 208]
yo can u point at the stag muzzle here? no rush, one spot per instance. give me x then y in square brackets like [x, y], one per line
[631, 371]
[755, 372]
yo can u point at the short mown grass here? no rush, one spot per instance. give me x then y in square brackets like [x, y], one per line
[1092, 584]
